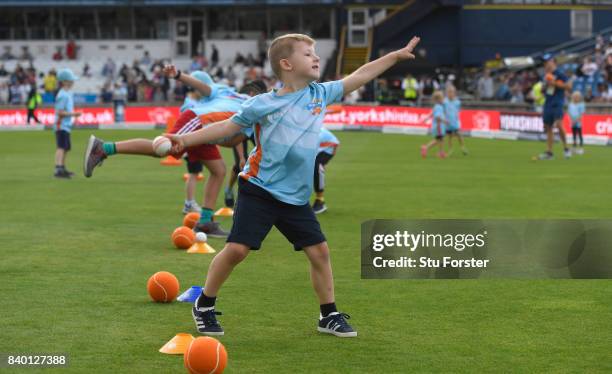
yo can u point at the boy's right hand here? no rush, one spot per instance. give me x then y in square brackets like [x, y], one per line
[170, 71]
[178, 143]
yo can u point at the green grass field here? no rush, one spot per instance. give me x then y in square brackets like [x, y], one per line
[76, 256]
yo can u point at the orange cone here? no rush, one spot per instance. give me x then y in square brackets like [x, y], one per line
[225, 212]
[177, 345]
[199, 178]
[200, 245]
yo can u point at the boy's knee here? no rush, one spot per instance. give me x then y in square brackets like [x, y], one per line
[319, 253]
[237, 252]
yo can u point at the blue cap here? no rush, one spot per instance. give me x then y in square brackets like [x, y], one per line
[66, 75]
[203, 77]
[547, 56]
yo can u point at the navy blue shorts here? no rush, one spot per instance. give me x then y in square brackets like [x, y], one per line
[257, 211]
[62, 139]
[194, 167]
[550, 115]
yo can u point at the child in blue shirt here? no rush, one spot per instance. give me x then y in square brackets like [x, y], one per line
[276, 183]
[438, 126]
[452, 106]
[64, 114]
[576, 110]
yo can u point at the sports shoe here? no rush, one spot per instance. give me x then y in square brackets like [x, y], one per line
[336, 324]
[190, 207]
[546, 156]
[206, 321]
[424, 151]
[62, 174]
[465, 151]
[319, 207]
[229, 198]
[567, 153]
[71, 174]
[580, 151]
[94, 155]
[212, 229]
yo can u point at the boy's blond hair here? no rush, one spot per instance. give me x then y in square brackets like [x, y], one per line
[282, 47]
[437, 97]
[576, 97]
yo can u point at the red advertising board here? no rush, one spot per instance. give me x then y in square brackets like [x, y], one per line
[376, 116]
[150, 114]
[90, 116]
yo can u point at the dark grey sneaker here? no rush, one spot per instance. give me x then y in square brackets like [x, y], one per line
[319, 207]
[61, 174]
[206, 321]
[212, 229]
[336, 324]
[94, 155]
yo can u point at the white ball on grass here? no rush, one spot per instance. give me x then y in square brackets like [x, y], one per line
[201, 237]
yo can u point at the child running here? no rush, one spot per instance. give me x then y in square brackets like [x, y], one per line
[576, 110]
[275, 186]
[438, 122]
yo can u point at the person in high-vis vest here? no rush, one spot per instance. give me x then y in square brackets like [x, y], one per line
[410, 87]
[34, 99]
[538, 97]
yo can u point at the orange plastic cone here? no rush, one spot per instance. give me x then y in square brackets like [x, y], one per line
[201, 247]
[177, 345]
[171, 161]
[225, 212]
[199, 178]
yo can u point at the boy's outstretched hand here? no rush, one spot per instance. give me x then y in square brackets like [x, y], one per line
[178, 143]
[406, 52]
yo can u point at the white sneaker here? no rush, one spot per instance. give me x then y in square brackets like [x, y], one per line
[580, 151]
[191, 206]
[567, 153]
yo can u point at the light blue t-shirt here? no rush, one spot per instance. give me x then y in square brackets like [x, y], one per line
[575, 111]
[64, 101]
[437, 126]
[287, 132]
[451, 111]
[188, 103]
[327, 141]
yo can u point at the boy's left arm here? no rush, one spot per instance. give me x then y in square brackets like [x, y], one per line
[373, 69]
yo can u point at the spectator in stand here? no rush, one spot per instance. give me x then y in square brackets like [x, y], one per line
[230, 75]
[3, 72]
[25, 54]
[239, 58]
[602, 93]
[484, 90]
[108, 70]
[71, 50]
[517, 94]
[50, 82]
[4, 93]
[157, 64]
[589, 68]
[214, 58]
[427, 86]
[106, 95]
[195, 64]
[7, 55]
[15, 97]
[86, 70]
[145, 59]
[132, 91]
[608, 69]
[57, 56]
[503, 91]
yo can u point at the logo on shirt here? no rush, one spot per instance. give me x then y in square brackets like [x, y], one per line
[315, 106]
